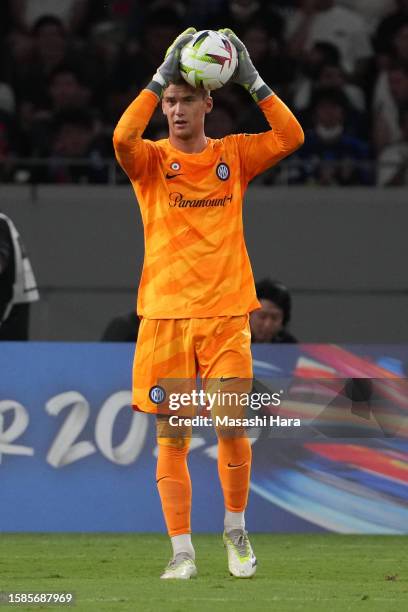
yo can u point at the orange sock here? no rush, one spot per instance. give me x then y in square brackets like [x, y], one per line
[174, 485]
[234, 469]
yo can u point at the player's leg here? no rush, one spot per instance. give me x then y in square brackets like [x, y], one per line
[234, 469]
[163, 358]
[174, 486]
[226, 365]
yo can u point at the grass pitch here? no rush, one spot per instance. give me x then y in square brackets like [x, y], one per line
[120, 572]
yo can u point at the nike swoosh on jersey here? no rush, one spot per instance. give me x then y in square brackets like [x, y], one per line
[223, 379]
[170, 176]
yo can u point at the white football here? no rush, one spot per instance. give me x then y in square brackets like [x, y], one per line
[209, 60]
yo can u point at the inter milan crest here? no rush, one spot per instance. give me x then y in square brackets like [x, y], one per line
[223, 171]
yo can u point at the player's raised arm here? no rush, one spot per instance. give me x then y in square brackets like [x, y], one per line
[261, 151]
[132, 152]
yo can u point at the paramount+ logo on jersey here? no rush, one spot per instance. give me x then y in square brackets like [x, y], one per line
[177, 200]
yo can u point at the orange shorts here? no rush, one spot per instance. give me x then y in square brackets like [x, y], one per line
[184, 348]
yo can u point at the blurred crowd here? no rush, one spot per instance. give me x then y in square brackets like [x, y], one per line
[68, 69]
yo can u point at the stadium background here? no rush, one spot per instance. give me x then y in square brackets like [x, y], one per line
[336, 239]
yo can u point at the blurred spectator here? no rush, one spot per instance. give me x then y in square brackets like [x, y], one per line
[387, 28]
[220, 122]
[49, 49]
[393, 161]
[206, 14]
[242, 11]
[15, 59]
[7, 99]
[50, 42]
[58, 55]
[372, 11]
[179, 7]
[400, 43]
[66, 92]
[391, 94]
[251, 121]
[5, 19]
[391, 90]
[331, 155]
[321, 53]
[6, 140]
[266, 48]
[236, 14]
[267, 51]
[101, 59]
[324, 21]
[161, 28]
[72, 13]
[7, 130]
[309, 67]
[18, 288]
[123, 328]
[133, 15]
[139, 61]
[76, 152]
[269, 324]
[285, 8]
[331, 75]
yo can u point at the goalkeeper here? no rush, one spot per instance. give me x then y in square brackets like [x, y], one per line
[197, 289]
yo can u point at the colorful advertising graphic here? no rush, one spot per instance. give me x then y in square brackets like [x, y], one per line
[330, 445]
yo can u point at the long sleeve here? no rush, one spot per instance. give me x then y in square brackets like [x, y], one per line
[132, 152]
[262, 151]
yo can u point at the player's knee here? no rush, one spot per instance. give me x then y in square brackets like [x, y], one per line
[181, 444]
[172, 437]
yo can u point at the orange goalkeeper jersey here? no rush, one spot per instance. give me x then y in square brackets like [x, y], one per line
[196, 263]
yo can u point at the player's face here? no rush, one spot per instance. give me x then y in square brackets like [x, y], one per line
[267, 322]
[185, 109]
